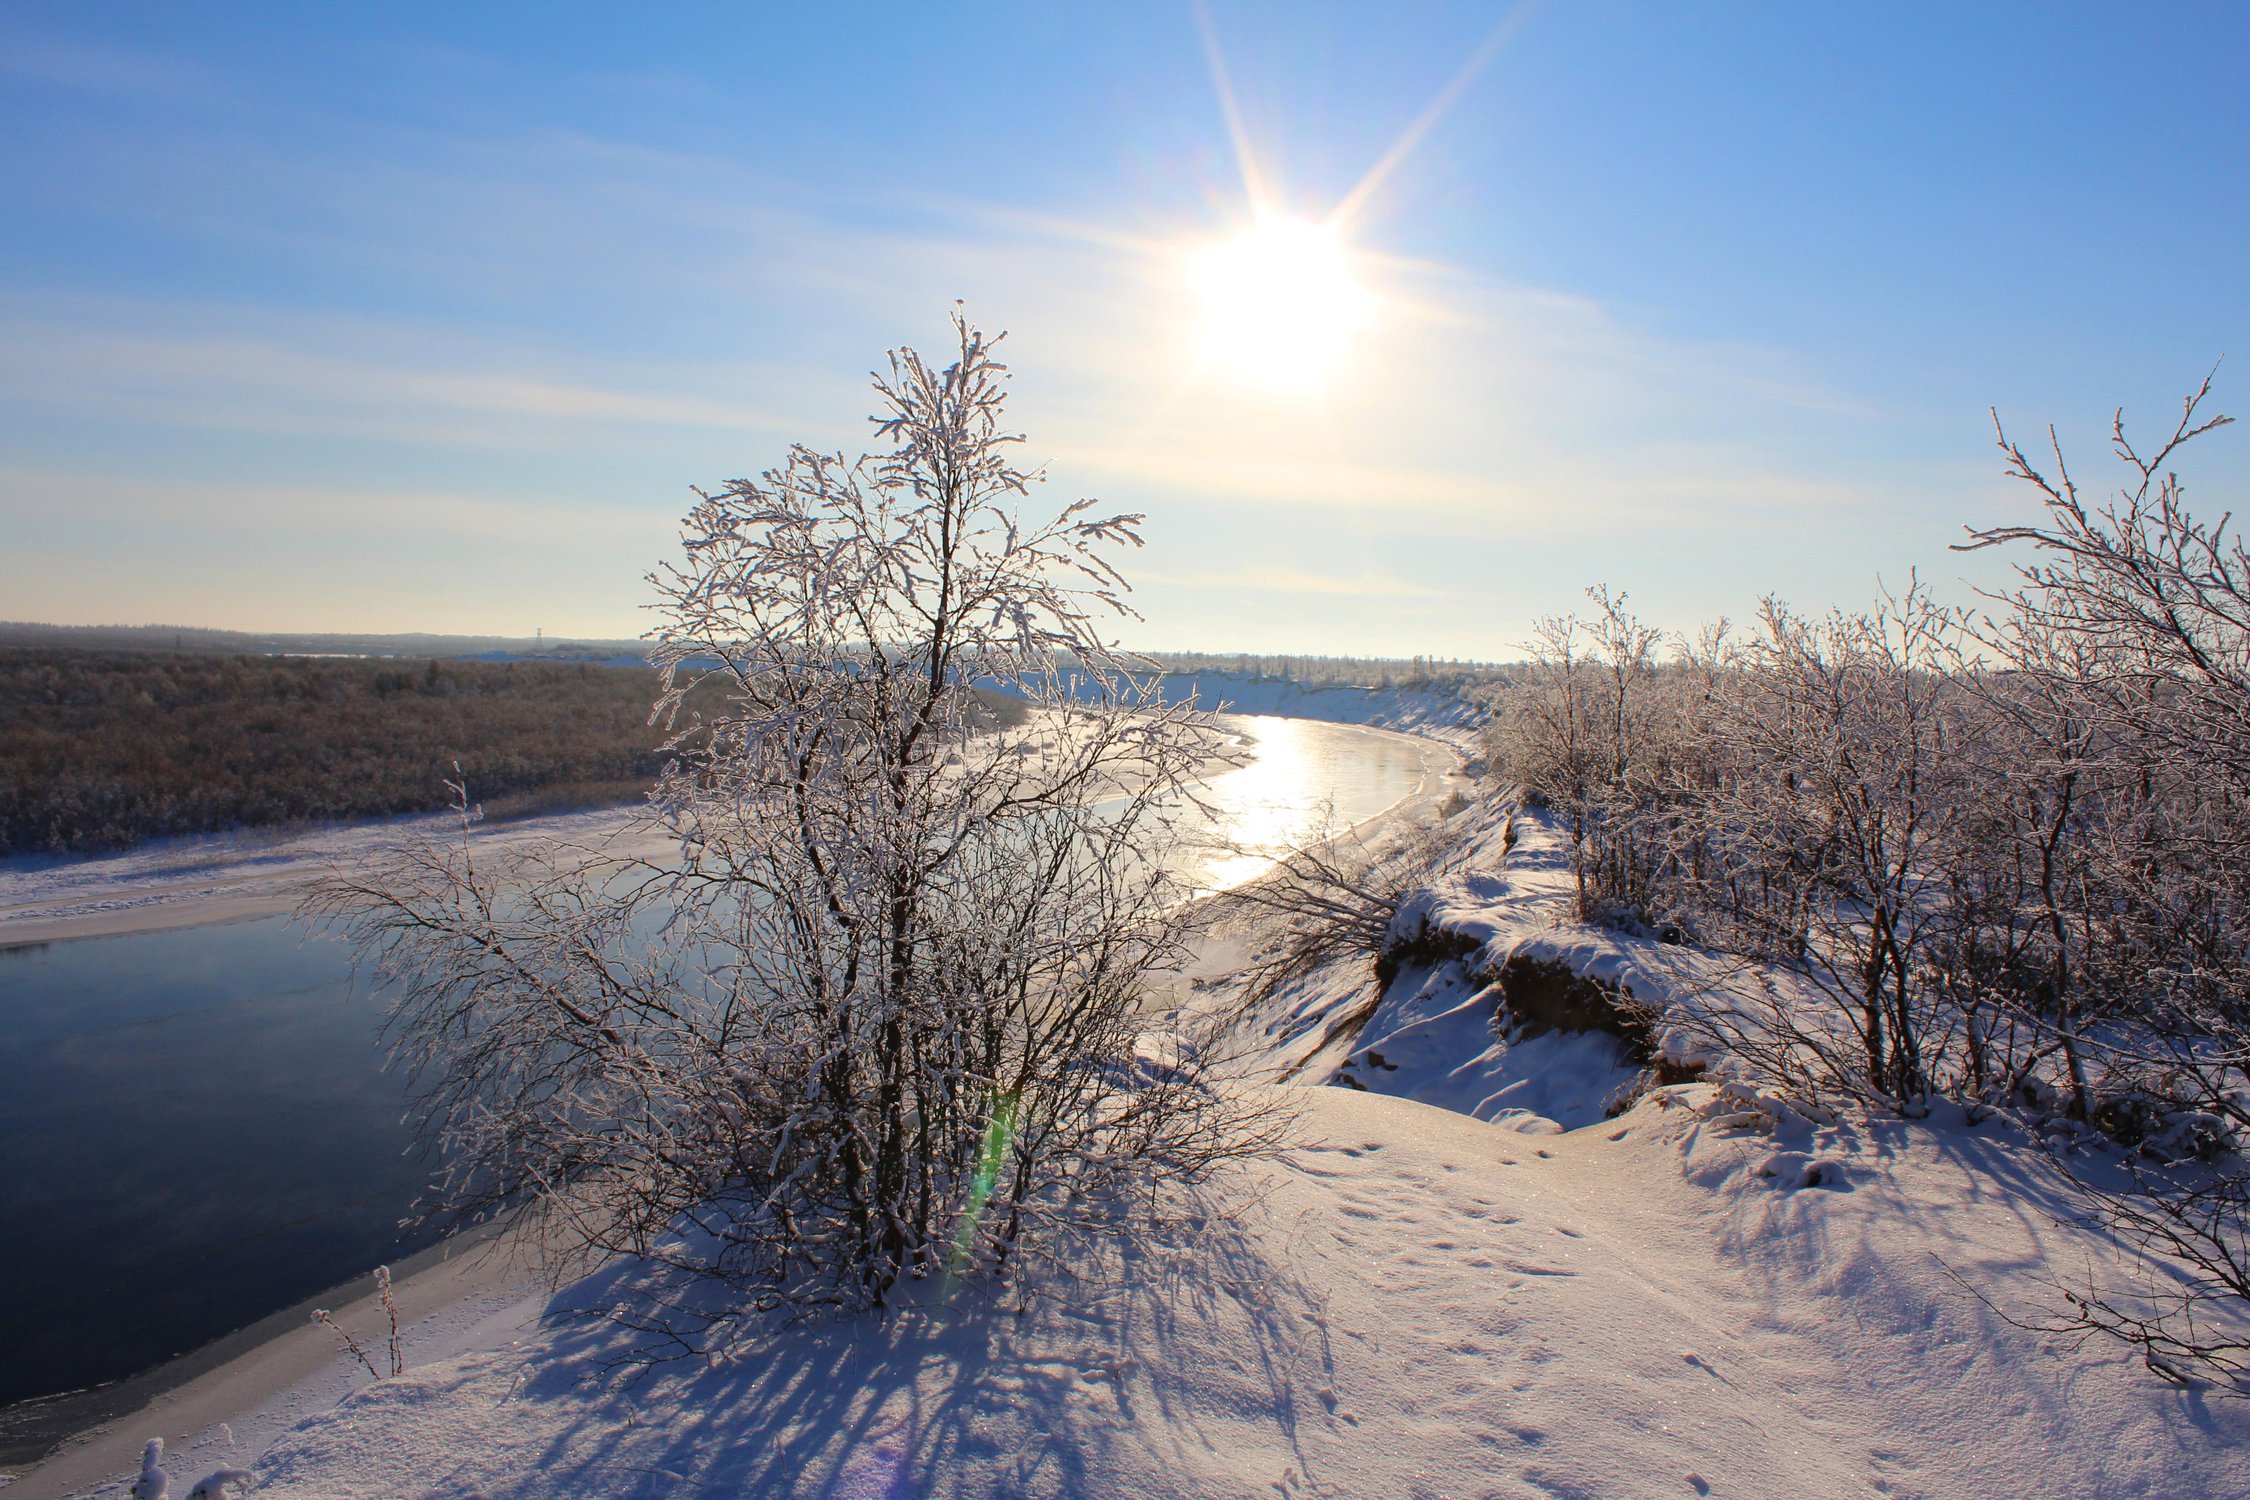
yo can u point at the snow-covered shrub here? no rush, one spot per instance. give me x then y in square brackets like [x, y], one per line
[1341, 899]
[1817, 845]
[394, 1350]
[2130, 631]
[1597, 730]
[1915, 853]
[2006, 859]
[155, 1484]
[879, 1013]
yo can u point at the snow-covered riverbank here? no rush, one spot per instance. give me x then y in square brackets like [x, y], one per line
[1286, 784]
[1462, 1280]
[1413, 1301]
[221, 1408]
[211, 878]
[1411, 1304]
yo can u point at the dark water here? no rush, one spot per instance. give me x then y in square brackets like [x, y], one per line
[196, 1129]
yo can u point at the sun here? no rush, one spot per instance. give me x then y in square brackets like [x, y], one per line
[1280, 304]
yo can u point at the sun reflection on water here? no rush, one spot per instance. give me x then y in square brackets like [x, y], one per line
[1304, 781]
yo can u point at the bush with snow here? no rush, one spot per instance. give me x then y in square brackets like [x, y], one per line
[155, 1484]
[1997, 858]
[882, 1018]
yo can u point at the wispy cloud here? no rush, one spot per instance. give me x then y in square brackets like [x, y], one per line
[96, 505]
[734, 313]
[1292, 581]
[317, 381]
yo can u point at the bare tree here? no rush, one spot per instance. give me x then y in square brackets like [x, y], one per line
[2148, 612]
[882, 1014]
[1589, 728]
[1334, 901]
[2162, 597]
[1822, 840]
[1999, 858]
[2141, 615]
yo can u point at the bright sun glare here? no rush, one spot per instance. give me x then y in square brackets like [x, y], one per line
[1280, 304]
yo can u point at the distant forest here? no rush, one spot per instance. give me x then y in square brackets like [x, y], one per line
[420, 644]
[104, 745]
[1418, 674]
[102, 749]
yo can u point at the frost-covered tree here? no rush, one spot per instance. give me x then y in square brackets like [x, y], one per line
[1588, 725]
[2000, 857]
[1851, 746]
[2141, 613]
[883, 1011]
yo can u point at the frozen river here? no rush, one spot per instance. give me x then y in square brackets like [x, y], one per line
[196, 1131]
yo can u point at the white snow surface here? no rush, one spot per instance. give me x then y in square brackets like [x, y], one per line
[1465, 1283]
[1413, 1303]
[256, 868]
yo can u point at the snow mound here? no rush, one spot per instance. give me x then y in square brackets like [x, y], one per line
[1492, 1006]
[1439, 1037]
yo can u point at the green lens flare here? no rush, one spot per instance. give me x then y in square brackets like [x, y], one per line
[999, 1135]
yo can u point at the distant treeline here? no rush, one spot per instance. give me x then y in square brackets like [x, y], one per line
[305, 643]
[1414, 674]
[101, 749]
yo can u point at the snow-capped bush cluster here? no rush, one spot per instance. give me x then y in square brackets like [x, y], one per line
[156, 1484]
[884, 1016]
[1999, 857]
[2003, 853]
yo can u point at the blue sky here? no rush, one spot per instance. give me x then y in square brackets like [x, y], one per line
[425, 317]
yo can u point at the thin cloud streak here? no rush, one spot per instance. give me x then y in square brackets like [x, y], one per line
[1693, 493]
[111, 71]
[1482, 411]
[1291, 581]
[267, 384]
[96, 503]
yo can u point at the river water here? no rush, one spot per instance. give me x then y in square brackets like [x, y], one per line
[196, 1129]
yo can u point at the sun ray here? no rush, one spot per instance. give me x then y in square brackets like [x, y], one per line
[1253, 184]
[1435, 110]
[1283, 298]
